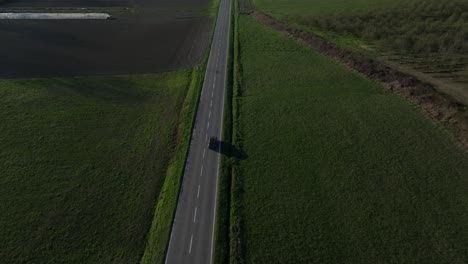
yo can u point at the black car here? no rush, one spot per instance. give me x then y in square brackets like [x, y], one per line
[213, 144]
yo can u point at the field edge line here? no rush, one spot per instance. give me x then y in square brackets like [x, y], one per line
[221, 246]
[444, 111]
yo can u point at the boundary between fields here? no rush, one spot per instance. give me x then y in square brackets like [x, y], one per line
[164, 212]
[445, 111]
[228, 229]
[221, 232]
[235, 242]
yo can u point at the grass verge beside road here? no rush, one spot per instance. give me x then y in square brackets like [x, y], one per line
[159, 233]
[82, 161]
[161, 227]
[338, 167]
[221, 245]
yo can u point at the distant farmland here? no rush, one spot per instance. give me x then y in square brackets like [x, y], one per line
[145, 37]
[338, 169]
[82, 161]
[292, 8]
[424, 38]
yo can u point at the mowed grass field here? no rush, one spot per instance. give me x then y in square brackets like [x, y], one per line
[338, 169]
[82, 161]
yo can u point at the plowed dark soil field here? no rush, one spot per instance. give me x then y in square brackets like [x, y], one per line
[145, 37]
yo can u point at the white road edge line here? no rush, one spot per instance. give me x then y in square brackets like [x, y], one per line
[220, 135]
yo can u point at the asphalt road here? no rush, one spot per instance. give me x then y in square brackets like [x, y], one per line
[192, 237]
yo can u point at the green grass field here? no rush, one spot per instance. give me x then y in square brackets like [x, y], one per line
[82, 161]
[339, 170]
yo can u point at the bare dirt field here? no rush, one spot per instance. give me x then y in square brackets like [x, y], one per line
[150, 36]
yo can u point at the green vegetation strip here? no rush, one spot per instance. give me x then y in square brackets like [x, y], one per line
[159, 234]
[160, 229]
[228, 220]
[337, 169]
[223, 206]
[235, 246]
[82, 161]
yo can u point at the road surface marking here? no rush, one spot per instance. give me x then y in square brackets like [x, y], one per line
[219, 48]
[217, 173]
[208, 126]
[209, 114]
[201, 171]
[190, 249]
[214, 213]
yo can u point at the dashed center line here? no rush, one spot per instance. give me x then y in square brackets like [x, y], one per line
[190, 248]
[215, 59]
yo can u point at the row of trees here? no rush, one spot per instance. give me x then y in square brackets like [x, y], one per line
[425, 26]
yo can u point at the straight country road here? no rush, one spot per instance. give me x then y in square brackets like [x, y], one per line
[192, 237]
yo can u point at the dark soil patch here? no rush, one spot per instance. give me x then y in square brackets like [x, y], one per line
[155, 36]
[448, 112]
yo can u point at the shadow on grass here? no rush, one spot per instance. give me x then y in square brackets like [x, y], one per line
[115, 89]
[232, 151]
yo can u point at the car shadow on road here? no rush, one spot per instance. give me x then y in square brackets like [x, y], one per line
[232, 151]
